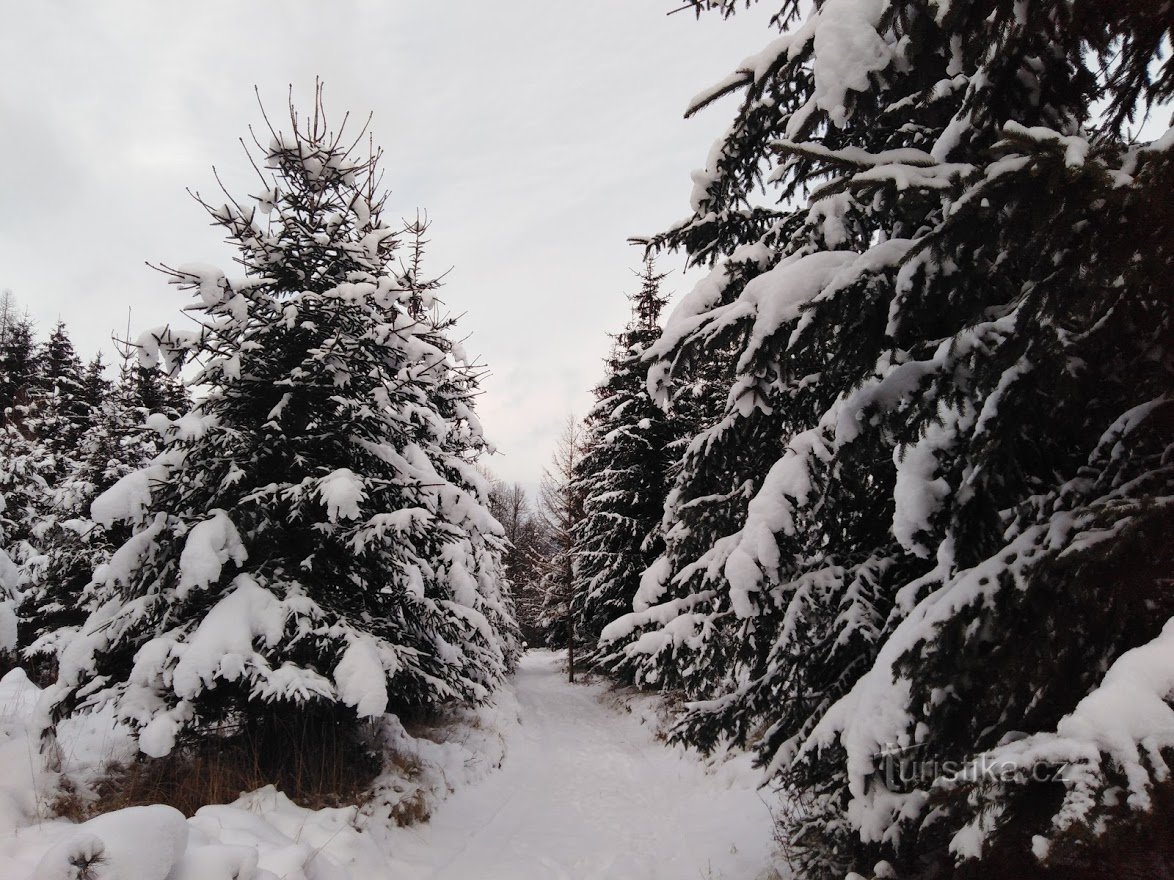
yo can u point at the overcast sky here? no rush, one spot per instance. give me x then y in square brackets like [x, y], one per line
[538, 134]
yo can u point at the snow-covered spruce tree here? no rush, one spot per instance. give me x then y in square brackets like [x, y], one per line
[931, 519]
[19, 372]
[49, 423]
[95, 386]
[26, 463]
[22, 487]
[311, 547]
[55, 599]
[22, 493]
[560, 507]
[63, 413]
[622, 476]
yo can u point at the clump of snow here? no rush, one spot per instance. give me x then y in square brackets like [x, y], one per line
[341, 491]
[848, 50]
[9, 573]
[207, 280]
[1075, 148]
[129, 498]
[8, 625]
[361, 678]
[919, 492]
[209, 545]
[775, 297]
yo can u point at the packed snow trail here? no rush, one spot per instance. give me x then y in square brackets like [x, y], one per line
[587, 793]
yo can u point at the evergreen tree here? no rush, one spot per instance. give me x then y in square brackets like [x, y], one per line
[929, 521]
[22, 488]
[623, 475]
[560, 507]
[56, 600]
[311, 545]
[18, 367]
[25, 462]
[22, 465]
[154, 391]
[61, 367]
[58, 425]
[95, 386]
[22, 493]
[58, 413]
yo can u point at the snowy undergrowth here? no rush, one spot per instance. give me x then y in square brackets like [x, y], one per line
[261, 836]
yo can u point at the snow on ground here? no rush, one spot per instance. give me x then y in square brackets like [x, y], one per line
[584, 791]
[588, 793]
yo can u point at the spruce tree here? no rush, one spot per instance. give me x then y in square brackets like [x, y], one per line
[311, 546]
[24, 462]
[927, 529]
[95, 387]
[58, 413]
[57, 599]
[560, 506]
[61, 366]
[22, 494]
[19, 373]
[623, 475]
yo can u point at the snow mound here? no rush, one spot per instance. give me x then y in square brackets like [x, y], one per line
[141, 842]
[261, 836]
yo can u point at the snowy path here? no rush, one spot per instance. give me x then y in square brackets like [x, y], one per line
[586, 792]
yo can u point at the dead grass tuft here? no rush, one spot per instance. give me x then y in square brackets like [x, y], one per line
[315, 759]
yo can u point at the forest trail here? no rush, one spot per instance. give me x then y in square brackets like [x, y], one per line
[587, 793]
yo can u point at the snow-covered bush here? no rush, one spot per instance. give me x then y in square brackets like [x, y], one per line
[929, 522]
[311, 545]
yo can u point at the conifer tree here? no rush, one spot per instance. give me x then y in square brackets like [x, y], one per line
[58, 414]
[623, 475]
[55, 599]
[560, 506]
[95, 386]
[311, 544]
[19, 373]
[61, 366]
[928, 522]
[22, 493]
[22, 465]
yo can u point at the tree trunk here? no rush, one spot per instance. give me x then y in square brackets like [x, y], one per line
[571, 651]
